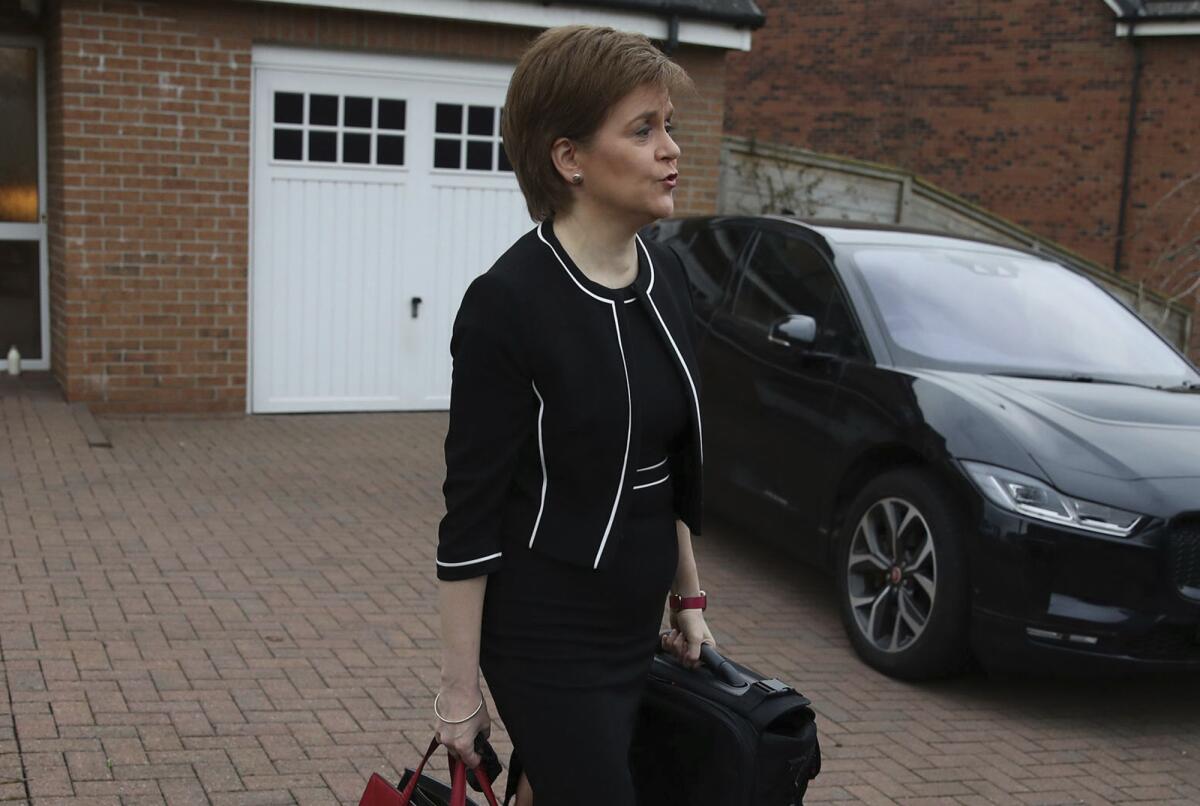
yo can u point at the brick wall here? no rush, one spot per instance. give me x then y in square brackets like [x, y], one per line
[149, 126]
[1019, 106]
[699, 121]
[1166, 154]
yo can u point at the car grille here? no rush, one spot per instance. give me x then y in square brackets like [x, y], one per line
[1166, 642]
[1184, 549]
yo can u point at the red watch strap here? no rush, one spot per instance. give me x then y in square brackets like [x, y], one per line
[677, 602]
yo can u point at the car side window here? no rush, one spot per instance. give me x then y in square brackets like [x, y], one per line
[709, 254]
[785, 276]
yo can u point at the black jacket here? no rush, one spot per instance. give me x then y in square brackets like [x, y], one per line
[541, 418]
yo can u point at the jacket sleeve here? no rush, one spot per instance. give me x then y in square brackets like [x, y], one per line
[687, 302]
[687, 307]
[492, 412]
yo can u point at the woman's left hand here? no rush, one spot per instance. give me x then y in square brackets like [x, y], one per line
[687, 634]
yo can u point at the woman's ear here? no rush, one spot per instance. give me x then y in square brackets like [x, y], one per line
[565, 155]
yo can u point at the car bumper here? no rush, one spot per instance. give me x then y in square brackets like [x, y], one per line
[1049, 597]
[1003, 644]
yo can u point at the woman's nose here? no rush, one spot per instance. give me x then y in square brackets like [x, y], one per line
[670, 150]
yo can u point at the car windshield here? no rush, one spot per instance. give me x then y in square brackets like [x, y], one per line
[989, 311]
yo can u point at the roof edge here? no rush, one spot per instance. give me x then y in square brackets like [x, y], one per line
[647, 20]
[682, 8]
[1140, 12]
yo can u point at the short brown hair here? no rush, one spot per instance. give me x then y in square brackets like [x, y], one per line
[564, 86]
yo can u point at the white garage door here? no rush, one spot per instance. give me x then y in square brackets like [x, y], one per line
[379, 191]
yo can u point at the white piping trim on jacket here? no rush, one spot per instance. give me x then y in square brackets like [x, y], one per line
[628, 437]
[554, 251]
[649, 262]
[542, 455]
[679, 355]
[628, 391]
[657, 464]
[562, 263]
[470, 562]
[651, 483]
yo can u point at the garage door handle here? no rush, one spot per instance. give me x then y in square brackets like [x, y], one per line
[416, 306]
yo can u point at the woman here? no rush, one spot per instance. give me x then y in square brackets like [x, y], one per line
[574, 453]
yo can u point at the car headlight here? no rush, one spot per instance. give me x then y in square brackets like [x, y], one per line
[1026, 495]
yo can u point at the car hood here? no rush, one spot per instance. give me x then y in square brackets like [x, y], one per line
[1107, 430]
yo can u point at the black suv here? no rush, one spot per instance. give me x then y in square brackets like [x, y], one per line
[987, 449]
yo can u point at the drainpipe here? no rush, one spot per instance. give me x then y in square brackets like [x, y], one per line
[1130, 136]
[672, 43]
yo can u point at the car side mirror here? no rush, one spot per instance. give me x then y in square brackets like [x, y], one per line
[794, 331]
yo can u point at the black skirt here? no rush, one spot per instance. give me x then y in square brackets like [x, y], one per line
[565, 649]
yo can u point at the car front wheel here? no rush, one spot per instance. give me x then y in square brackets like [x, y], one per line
[902, 577]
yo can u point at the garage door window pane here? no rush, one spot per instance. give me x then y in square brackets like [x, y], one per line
[289, 144]
[358, 112]
[481, 120]
[446, 154]
[322, 147]
[323, 110]
[449, 119]
[356, 148]
[391, 114]
[390, 150]
[505, 165]
[479, 155]
[289, 107]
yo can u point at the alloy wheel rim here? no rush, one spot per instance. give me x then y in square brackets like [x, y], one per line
[891, 576]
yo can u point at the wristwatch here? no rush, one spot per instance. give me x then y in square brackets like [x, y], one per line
[676, 602]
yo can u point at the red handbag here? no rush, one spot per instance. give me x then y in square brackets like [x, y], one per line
[381, 793]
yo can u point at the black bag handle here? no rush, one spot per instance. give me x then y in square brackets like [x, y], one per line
[725, 671]
[721, 667]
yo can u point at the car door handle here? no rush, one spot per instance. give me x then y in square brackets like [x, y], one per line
[416, 306]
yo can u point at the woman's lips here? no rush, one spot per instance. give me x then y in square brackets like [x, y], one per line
[671, 180]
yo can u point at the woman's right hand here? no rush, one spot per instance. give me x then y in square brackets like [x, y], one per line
[459, 737]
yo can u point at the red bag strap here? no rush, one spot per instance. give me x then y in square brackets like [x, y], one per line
[458, 788]
[406, 795]
[458, 777]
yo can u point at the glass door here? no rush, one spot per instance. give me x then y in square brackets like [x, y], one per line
[24, 307]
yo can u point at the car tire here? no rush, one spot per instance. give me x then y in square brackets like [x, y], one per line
[906, 609]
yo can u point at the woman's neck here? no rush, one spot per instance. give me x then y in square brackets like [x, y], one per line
[603, 249]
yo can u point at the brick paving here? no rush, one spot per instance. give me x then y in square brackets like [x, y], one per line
[243, 611]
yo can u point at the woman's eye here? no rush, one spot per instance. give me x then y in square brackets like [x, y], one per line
[670, 128]
[643, 132]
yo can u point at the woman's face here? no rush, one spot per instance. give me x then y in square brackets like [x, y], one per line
[630, 166]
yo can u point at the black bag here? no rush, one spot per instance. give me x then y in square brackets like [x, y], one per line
[721, 734]
[429, 791]
[432, 792]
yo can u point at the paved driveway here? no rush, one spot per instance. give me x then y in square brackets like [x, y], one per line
[243, 611]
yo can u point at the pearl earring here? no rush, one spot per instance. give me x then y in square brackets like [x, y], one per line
[576, 179]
